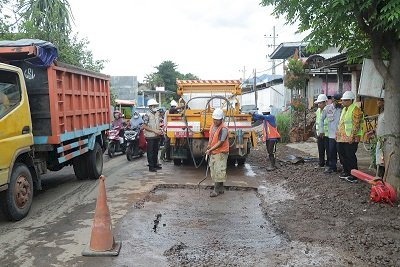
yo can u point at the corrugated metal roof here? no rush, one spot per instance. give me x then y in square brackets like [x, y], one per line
[287, 49]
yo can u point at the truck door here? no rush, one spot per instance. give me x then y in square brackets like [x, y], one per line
[15, 121]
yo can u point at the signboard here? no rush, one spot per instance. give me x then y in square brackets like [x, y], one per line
[160, 89]
[371, 82]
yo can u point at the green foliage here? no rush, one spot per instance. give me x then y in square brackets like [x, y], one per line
[295, 76]
[356, 25]
[48, 20]
[283, 122]
[166, 76]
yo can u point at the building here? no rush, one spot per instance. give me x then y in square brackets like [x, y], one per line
[124, 87]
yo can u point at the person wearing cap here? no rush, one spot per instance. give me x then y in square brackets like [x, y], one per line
[348, 135]
[322, 131]
[331, 113]
[152, 133]
[270, 134]
[379, 132]
[218, 150]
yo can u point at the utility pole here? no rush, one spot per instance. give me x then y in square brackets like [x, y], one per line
[273, 36]
[244, 73]
[255, 87]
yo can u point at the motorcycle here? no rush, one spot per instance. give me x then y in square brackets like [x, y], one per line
[133, 149]
[116, 143]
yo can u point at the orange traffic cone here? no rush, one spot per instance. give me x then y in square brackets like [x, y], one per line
[102, 241]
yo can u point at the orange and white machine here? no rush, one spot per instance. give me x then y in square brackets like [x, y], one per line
[189, 130]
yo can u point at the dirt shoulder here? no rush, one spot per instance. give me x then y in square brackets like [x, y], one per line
[332, 212]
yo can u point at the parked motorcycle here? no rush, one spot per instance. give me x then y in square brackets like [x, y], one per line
[116, 143]
[133, 149]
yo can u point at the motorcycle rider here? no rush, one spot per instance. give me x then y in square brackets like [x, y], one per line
[119, 122]
[136, 120]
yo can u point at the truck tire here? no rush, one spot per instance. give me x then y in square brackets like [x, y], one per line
[95, 162]
[80, 167]
[17, 199]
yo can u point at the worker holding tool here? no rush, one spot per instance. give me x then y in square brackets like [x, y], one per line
[322, 131]
[331, 113]
[348, 135]
[270, 134]
[218, 150]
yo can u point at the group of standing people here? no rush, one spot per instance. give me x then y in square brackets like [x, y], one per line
[339, 130]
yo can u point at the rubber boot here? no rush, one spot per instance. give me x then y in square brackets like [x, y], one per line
[271, 163]
[221, 188]
[216, 190]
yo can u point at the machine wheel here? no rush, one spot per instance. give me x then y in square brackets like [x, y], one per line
[80, 167]
[111, 149]
[95, 162]
[177, 162]
[17, 199]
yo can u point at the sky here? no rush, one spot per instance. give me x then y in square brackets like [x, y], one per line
[212, 39]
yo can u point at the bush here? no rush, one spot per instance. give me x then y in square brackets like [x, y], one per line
[283, 121]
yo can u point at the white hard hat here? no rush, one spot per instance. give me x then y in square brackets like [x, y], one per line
[173, 103]
[348, 95]
[218, 114]
[152, 102]
[321, 98]
[265, 109]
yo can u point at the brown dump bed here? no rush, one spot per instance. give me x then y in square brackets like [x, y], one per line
[66, 102]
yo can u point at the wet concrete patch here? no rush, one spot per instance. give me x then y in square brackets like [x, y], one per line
[180, 225]
[196, 230]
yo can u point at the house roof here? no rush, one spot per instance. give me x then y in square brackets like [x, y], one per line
[287, 49]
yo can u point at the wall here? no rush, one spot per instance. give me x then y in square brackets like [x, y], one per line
[125, 87]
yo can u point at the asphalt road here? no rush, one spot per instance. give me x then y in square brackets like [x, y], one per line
[58, 226]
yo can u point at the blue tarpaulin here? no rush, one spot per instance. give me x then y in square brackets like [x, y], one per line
[46, 51]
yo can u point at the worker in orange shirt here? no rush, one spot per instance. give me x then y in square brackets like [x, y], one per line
[218, 150]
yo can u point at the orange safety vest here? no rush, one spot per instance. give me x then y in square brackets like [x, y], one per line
[271, 131]
[213, 139]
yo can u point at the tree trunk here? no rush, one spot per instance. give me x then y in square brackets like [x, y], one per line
[392, 121]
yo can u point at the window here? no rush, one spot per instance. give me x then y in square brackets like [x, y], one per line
[10, 91]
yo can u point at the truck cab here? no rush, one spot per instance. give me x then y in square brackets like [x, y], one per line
[16, 139]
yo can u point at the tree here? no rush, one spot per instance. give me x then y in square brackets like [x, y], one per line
[48, 20]
[188, 76]
[364, 28]
[166, 76]
[168, 73]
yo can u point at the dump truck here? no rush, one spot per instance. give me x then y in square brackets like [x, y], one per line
[189, 130]
[51, 115]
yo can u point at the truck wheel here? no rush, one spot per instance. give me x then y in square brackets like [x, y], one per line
[80, 167]
[95, 162]
[241, 161]
[111, 149]
[17, 199]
